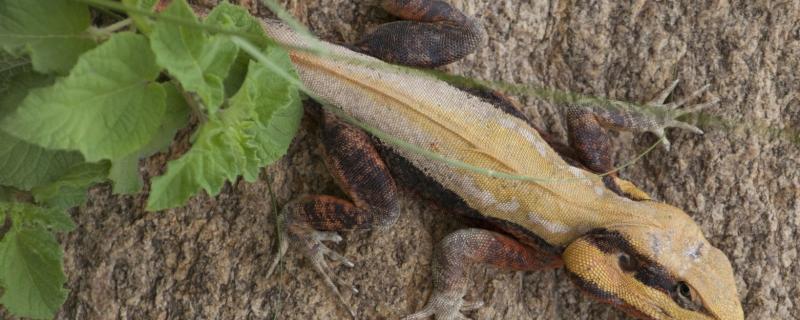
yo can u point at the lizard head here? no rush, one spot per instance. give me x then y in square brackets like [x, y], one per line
[660, 270]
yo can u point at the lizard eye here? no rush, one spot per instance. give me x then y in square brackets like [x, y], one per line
[684, 296]
[683, 290]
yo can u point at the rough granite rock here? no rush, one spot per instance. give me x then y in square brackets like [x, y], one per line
[740, 180]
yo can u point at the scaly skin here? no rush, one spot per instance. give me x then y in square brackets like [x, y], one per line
[647, 258]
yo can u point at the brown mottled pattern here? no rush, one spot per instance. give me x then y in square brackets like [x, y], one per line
[360, 172]
[590, 143]
[323, 212]
[357, 166]
[438, 35]
[427, 189]
[424, 10]
[589, 140]
[623, 119]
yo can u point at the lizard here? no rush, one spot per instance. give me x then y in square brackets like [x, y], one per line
[647, 258]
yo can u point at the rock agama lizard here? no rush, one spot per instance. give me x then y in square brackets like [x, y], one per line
[647, 258]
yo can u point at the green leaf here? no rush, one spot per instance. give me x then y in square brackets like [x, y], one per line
[24, 165]
[125, 171]
[124, 174]
[176, 116]
[6, 194]
[69, 190]
[216, 156]
[237, 74]
[27, 166]
[30, 260]
[26, 215]
[277, 108]
[52, 31]
[254, 131]
[55, 219]
[199, 61]
[108, 106]
[17, 82]
[10, 67]
[235, 17]
[31, 273]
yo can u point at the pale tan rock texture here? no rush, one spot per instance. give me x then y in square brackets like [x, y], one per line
[740, 181]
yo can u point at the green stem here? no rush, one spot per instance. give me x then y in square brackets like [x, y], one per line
[119, 25]
[100, 34]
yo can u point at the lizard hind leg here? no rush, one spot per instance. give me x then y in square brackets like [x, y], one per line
[308, 221]
[433, 34]
[463, 248]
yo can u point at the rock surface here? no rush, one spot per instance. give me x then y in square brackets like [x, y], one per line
[740, 181]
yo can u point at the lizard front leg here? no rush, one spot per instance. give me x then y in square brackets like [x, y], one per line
[460, 250]
[588, 136]
[358, 169]
[433, 34]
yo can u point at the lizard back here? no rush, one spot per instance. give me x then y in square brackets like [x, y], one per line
[440, 118]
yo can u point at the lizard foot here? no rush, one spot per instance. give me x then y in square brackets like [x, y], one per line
[317, 253]
[445, 307]
[665, 115]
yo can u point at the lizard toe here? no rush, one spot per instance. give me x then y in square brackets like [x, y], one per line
[698, 107]
[662, 96]
[445, 306]
[688, 98]
[319, 255]
[659, 116]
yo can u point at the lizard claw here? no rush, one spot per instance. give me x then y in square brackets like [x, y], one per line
[445, 307]
[318, 254]
[665, 115]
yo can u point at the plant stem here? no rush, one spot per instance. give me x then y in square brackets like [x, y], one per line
[119, 25]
